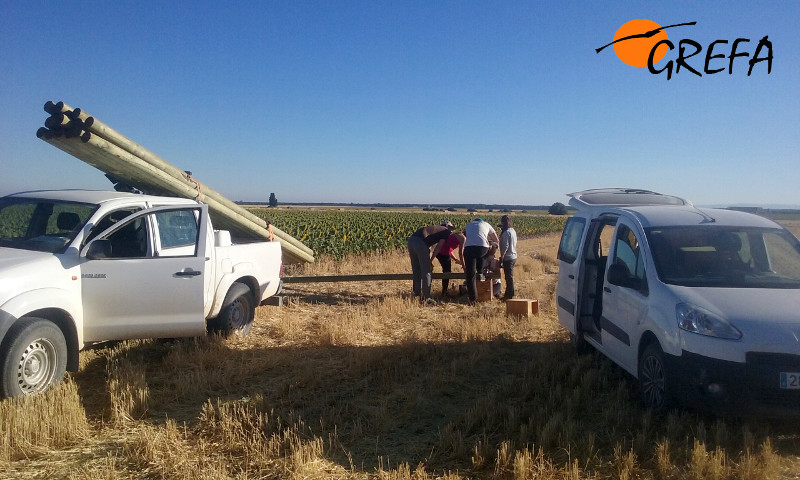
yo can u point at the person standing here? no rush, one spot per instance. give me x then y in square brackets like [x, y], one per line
[419, 250]
[478, 234]
[445, 256]
[508, 254]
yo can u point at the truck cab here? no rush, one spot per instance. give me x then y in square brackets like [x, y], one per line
[700, 305]
[79, 267]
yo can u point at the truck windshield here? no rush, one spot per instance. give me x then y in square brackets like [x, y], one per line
[40, 224]
[726, 257]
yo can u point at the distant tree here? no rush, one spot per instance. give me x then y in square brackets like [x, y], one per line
[557, 208]
[273, 200]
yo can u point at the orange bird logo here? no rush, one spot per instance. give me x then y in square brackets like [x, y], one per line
[634, 41]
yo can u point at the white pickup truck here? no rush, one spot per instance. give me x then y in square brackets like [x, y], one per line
[79, 267]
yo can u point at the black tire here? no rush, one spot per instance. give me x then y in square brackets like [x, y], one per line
[34, 357]
[238, 311]
[653, 380]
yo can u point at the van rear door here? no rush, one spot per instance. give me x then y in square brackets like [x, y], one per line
[569, 253]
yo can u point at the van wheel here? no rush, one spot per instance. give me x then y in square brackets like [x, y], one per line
[653, 380]
[35, 357]
[238, 311]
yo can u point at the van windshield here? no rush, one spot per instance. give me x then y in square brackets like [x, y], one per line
[41, 225]
[725, 257]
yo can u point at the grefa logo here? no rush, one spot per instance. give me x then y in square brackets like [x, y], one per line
[641, 43]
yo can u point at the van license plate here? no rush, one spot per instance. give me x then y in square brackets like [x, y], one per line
[790, 380]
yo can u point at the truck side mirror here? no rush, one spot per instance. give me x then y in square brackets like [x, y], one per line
[99, 249]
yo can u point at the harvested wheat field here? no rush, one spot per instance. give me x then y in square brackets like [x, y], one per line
[357, 380]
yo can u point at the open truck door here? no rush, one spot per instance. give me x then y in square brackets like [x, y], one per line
[130, 291]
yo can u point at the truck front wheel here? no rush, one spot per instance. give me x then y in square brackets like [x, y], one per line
[35, 357]
[238, 311]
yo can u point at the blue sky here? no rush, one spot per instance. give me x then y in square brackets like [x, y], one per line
[407, 101]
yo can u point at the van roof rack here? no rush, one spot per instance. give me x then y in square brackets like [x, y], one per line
[622, 197]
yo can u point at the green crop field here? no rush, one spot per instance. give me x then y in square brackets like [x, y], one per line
[340, 233]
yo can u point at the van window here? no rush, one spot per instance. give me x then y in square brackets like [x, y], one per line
[571, 239]
[628, 253]
[726, 257]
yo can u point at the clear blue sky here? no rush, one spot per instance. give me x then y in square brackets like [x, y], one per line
[407, 101]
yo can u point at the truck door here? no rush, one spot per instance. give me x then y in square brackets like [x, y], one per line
[625, 295]
[129, 291]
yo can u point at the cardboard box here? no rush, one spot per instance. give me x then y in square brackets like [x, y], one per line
[484, 290]
[522, 306]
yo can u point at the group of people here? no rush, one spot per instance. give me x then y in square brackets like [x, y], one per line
[476, 247]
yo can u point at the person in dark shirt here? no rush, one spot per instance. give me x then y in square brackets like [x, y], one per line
[419, 250]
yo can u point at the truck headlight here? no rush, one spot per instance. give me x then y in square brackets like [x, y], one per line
[697, 320]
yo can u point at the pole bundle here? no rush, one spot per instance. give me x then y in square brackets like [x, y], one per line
[82, 136]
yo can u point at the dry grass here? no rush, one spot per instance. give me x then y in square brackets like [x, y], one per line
[792, 225]
[32, 425]
[357, 380]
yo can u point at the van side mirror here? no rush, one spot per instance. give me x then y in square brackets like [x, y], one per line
[619, 275]
[99, 249]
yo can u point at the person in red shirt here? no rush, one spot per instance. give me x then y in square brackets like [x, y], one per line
[445, 256]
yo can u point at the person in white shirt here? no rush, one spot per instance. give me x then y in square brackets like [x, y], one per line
[508, 254]
[478, 234]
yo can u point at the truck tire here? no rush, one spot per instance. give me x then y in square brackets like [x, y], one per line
[238, 311]
[653, 380]
[34, 357]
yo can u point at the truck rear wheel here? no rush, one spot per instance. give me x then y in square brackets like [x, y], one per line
[238, 311]
[35, 357]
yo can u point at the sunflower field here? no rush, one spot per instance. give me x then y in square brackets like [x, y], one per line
[340, 233]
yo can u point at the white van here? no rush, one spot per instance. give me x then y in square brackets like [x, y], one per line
[701, 305]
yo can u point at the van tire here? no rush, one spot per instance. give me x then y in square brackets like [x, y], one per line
[34, 357]
[238, 311]
[654, 380]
